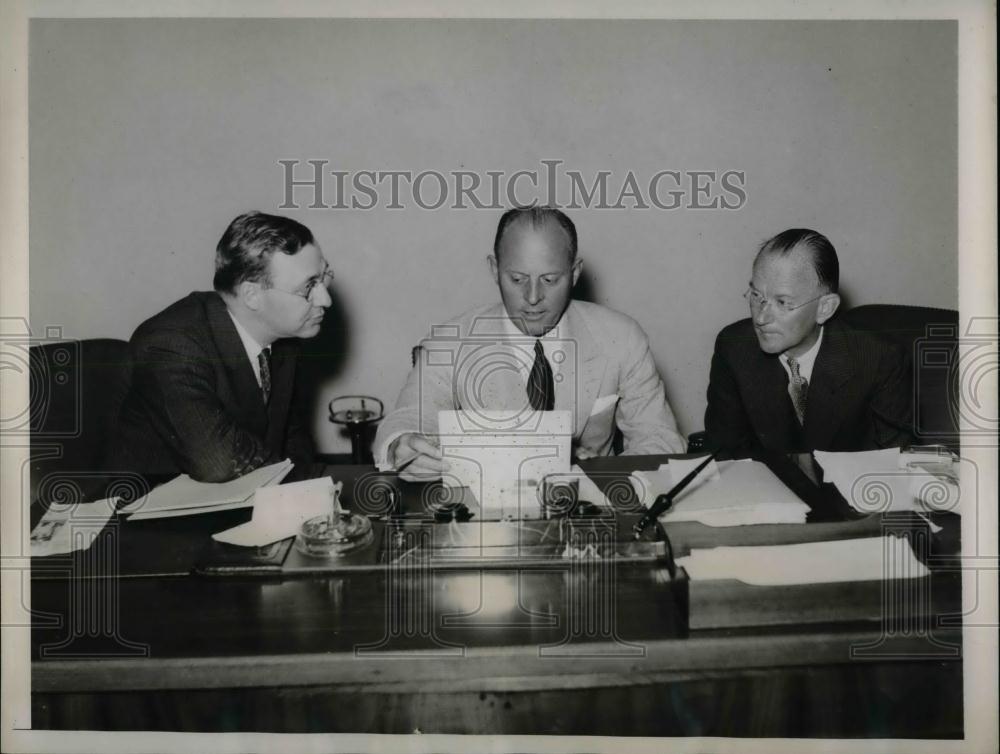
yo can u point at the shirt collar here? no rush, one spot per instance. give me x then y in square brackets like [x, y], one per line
[807, 359]
[253, 348]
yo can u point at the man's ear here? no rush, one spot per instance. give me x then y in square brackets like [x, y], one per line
[577, 269]
[491, 260]
[827, 307]
[250, 294]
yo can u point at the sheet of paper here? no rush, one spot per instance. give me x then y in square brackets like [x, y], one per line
[589, 491]
[868, 559]
[499, 455]
[278, 512]
[65, 529]
[678, 468]
[880, 481]
[739, 493]
[184, 496]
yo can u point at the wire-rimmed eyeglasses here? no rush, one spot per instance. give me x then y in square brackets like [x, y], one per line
[758, 301]
[307, 291]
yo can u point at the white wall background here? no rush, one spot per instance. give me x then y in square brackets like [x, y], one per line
[149, 136]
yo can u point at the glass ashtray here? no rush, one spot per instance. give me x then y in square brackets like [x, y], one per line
[334, 536]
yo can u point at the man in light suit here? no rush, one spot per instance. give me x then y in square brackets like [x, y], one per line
[537, 350]
[212, 392]
[792, 379]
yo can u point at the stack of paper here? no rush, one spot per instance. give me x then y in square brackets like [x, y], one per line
[185, 497]
[279, 512]
[869, 559]
[880, 481]
[731, 493]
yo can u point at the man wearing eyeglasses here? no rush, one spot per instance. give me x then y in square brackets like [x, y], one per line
[537, 350]
[212, 392]
[792, 379]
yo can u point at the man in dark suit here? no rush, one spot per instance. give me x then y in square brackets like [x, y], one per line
[792, 380]
[212, 391]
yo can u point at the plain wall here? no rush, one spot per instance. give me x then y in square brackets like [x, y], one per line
[149, 136]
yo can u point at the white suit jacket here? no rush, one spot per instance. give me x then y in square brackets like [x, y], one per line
[605, 377]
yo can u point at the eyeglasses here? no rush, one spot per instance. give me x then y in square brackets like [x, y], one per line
[758, 301]
[323, 281]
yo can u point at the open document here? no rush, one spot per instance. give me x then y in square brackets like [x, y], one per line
[503, 456]
[183, 496]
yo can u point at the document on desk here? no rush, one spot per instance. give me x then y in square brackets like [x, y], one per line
[68, 528]
[880, 481]
[868, 559]
[729, 493]
[589, 491]
[278, 512]
[183, 496]
[502, 456]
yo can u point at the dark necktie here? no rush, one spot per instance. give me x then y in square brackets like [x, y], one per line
[264, 359]
[798, 389]
[541, 390]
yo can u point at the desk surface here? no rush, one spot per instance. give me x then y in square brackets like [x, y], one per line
[580, 648]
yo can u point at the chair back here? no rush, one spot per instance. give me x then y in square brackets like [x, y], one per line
[930, 336]
[76, 392]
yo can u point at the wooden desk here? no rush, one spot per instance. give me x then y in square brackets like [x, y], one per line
[159, 648]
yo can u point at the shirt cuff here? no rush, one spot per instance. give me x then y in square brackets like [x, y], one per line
[381, 461]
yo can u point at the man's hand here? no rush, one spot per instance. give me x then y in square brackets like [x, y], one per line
[417, 458]
[582, 453]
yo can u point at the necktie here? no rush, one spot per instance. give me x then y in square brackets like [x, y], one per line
[798, 389]
[264, 359]
[541, 390]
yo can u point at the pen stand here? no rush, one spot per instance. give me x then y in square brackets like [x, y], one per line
[359, 414]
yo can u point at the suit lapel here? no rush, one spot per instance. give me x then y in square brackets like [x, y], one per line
[282, 378]
[236, 363]
[491, 389]
[832, 370]
[583, 371]
[767, 399]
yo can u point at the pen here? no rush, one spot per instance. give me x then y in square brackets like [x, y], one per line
[664, 501]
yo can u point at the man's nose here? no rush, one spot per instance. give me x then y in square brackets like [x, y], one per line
[321, 297]
[534, 292]
[762, 314]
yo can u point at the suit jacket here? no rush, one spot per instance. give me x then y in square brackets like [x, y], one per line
[607, 378]
[194, 405]
[859, 396]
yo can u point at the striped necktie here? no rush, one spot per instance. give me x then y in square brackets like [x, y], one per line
[541, 389]
[264, 359]
[798, 389]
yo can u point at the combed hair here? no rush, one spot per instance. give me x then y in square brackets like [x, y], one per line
[245, 249]
[824, 256]
[539, 217]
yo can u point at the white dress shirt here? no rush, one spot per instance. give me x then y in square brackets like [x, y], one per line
[552, 346]
[253, 348]
[806, 360]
